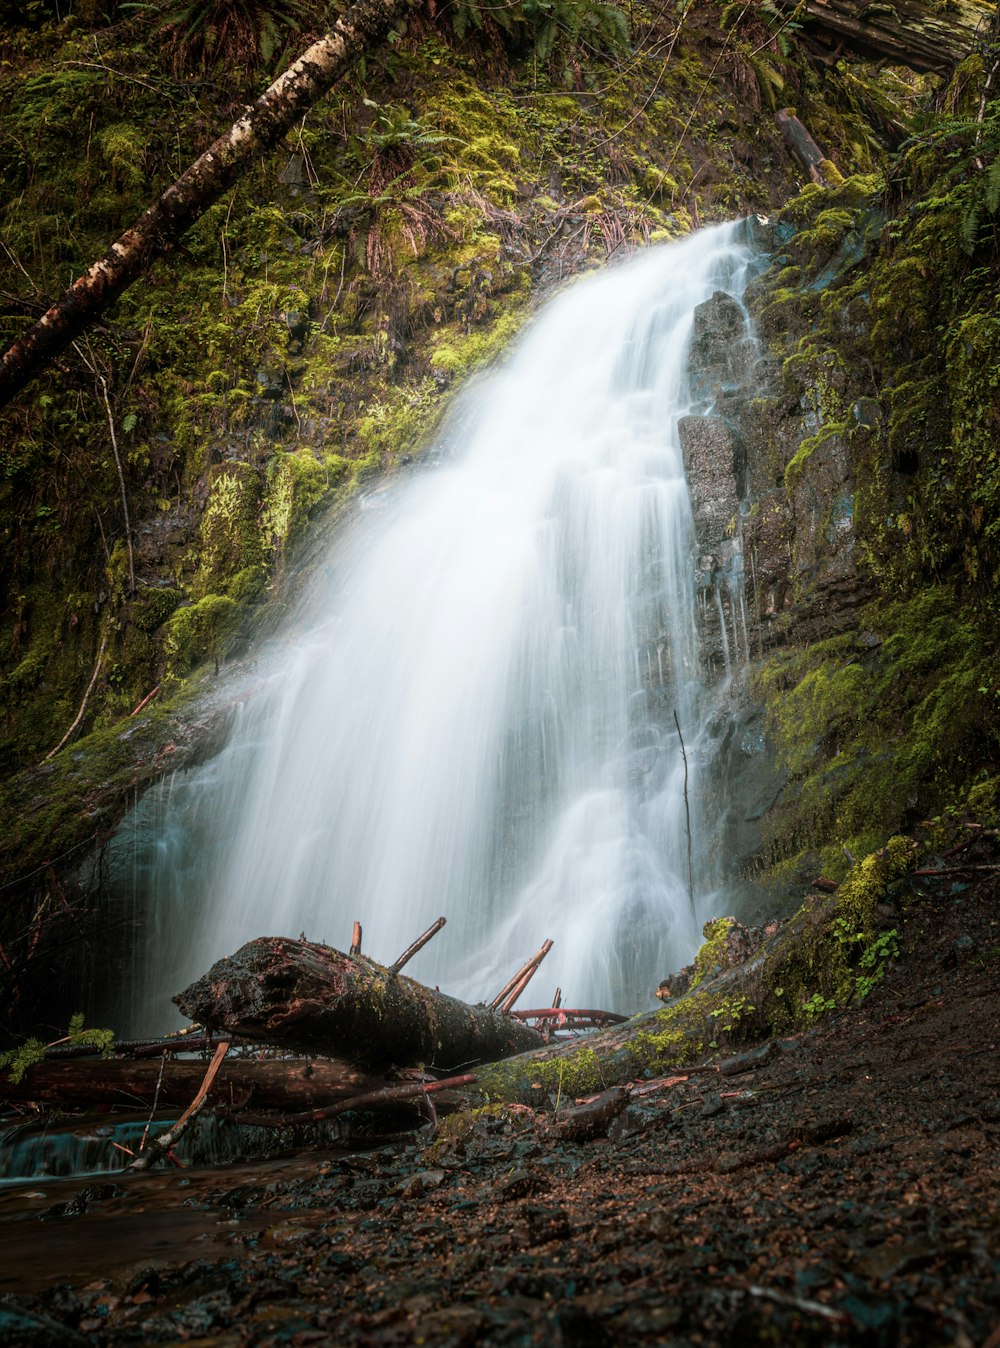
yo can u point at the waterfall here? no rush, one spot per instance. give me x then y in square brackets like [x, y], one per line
[473, 712]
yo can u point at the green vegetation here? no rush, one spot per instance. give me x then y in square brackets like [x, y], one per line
[893, 721]
[17, 1061]
[883, 312]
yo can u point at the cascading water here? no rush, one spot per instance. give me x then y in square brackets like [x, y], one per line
[475, 713]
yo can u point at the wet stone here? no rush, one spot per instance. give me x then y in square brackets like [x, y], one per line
[520, 1184]
[545, 1223]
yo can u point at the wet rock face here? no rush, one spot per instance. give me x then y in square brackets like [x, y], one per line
[772, 487]
[743, 782]
[769, 457]
[710, 454]
[709, 448]
[722, 351]
[721, 362]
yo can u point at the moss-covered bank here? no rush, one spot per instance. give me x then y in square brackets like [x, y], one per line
[834, 950]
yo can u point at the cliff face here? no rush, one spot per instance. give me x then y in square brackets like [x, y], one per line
[312, 328]
[845, 486]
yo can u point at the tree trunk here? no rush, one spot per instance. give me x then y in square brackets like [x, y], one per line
[313, 999]
[290, 1085]
[908, 32]
[276, 111]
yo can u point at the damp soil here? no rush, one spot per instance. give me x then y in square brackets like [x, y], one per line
[841, 1186]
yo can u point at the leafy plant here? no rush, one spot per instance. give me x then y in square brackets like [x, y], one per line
[731, 1010]
[817, 1006]
[32, 1051]
[874, 960]
[559, 33]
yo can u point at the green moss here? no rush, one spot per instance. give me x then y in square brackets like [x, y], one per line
[797, 465]
[870, 726]
[456, 353]
[230, 530]
[711, 956]
[867, 882]
[296, 482]
[200, 631]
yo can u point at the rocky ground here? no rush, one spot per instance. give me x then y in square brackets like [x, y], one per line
[840, 1186]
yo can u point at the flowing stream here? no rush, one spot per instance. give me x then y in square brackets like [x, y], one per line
[473, 712]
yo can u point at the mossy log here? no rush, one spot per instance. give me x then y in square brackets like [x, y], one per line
[290, 1084]
[314, 999]
[908, 33]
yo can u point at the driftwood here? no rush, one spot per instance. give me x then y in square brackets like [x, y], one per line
[313, 999]
[291, 1085]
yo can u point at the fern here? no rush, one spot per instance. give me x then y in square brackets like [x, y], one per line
[993, 187]
[548, 30]
[32, 1051]
[19, 1060]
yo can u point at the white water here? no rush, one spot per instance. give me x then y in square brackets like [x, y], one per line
[474, 715]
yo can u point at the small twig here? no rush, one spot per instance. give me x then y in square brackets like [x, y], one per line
[83, 705]
[687, 813]
[524, 977]
[418, 944]
[121, 480]
[386, 1095]
[428, 1105]
[148, 698]
[156, 1097]
[291, 393]
[512, 982]
[163, 1143]
[984, 97]
[356, 940]
[807, 1307]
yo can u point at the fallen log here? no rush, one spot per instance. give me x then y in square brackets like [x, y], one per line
[801, 144]
[354, 33]
[384, 1098]
[291, 1084]
[314, 999]
[908, 32]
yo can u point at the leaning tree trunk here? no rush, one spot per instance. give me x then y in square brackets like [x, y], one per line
[276, 111]
[313, 999]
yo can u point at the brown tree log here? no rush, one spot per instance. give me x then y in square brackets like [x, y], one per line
[801, 144]
[907, 32]
[292, 1084]
[264, 123]
[313, 999]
